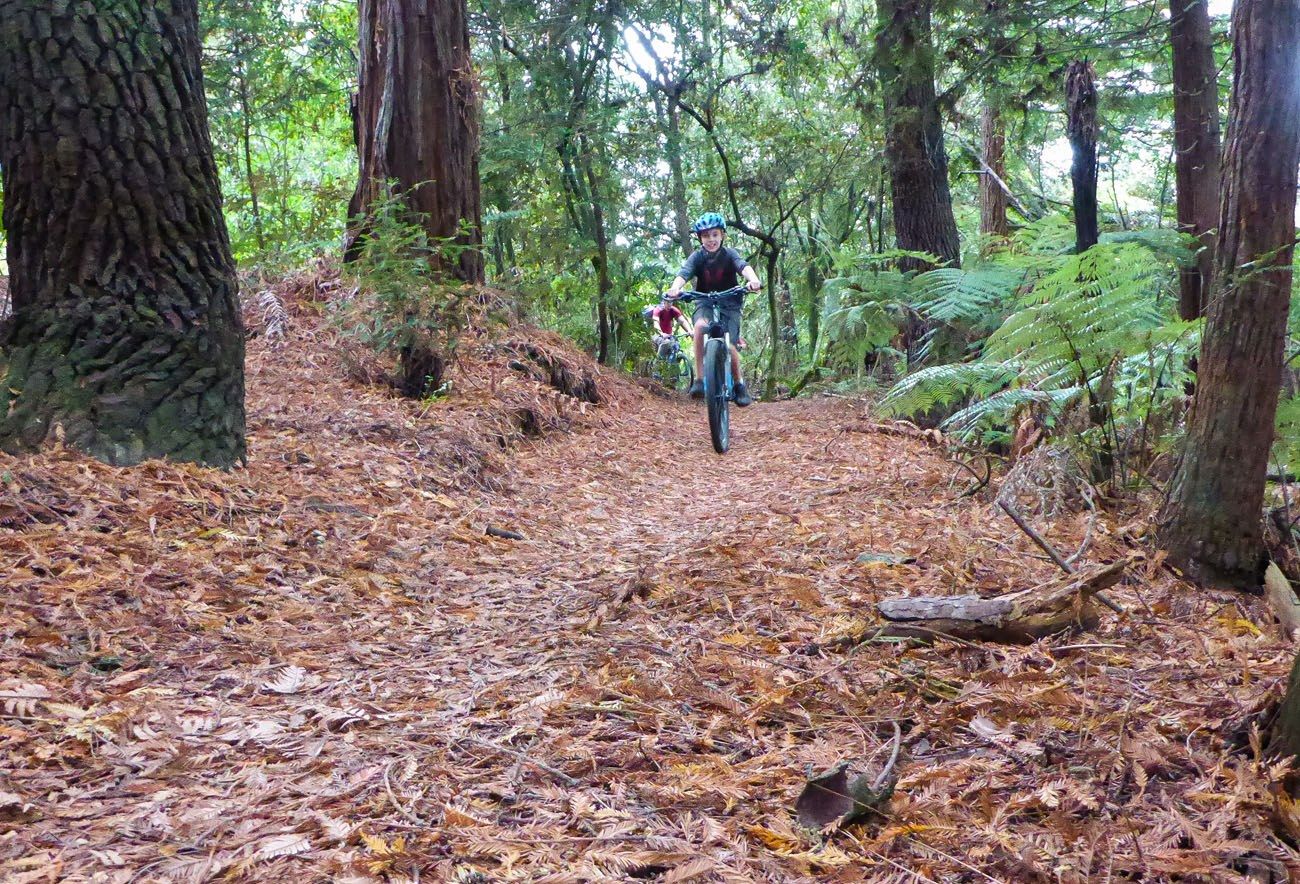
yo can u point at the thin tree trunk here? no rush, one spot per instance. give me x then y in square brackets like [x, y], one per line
[923, 219]
[993, 199]
[246, 119]
[1196, 144]
[1211, 521]
[880, 210]
[125, 339]
[815, 278]
[1081, 109]
[789, 325]
[772, 253]
[600, 260]
[681, 211]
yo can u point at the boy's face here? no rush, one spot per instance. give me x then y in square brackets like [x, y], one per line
[711, 240]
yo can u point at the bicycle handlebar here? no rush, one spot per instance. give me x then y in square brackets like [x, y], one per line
[691, 295]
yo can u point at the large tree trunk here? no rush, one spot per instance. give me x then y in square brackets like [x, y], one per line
[415, 120]
[416, 124]
[923, 219]
[1081, 110]
[1212, 518]
[1196, 144]
[993, 199]
[125, 339]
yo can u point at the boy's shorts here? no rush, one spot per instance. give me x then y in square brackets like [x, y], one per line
[730, 316]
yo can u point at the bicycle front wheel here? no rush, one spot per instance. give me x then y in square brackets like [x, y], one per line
[715, 392]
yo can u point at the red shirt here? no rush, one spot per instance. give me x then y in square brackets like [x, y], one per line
[664, 314]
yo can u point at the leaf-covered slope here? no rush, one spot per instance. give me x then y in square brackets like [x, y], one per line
[320, 668]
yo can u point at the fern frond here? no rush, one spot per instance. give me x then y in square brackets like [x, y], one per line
[1049, 235]
[942, 385]
[968, 295]
[997, 409]
[1083, 317]
[1173, 245]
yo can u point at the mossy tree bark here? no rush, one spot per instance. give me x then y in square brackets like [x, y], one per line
[923, 219]
[1211, 523]
[1196, 144]
[125, 338]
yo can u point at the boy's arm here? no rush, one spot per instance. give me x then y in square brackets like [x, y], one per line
[686, 273]
[686, 326]
[752, 278]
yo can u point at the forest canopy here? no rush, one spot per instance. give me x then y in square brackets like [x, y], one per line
[685, 108]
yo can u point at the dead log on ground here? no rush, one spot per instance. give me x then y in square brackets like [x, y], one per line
[1019, 617]
[1282, 599]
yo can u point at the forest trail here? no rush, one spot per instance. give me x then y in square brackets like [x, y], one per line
[321, 668]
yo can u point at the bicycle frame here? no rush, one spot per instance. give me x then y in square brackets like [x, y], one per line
[719, 383]
[713, 300]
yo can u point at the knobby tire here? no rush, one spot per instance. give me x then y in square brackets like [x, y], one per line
[715, 390]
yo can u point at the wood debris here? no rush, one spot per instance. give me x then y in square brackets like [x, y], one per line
[1047, 609]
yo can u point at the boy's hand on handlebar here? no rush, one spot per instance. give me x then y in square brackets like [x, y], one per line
[754, 285]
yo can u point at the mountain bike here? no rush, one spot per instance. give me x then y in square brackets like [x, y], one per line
[671, 365]
[719, 386]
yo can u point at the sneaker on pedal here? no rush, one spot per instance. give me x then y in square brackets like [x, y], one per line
[697, 389]
[742, 396]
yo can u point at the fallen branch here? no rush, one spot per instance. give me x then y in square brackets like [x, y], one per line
[520, 756]
[1051, 551]
[1018, 617]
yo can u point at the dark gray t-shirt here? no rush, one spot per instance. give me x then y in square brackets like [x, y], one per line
[716, 272]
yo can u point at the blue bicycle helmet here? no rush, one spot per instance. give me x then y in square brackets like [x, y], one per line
[708, 221]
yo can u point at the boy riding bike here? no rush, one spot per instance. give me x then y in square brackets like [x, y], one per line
[664, 316]
[714, 268]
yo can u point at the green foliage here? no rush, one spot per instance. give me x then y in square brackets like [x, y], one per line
[632, 109]
[865, 311]
[861, 314]
[1098, 327]
[1286, 443]
[402, 301]
[277, 75]
[974, 296]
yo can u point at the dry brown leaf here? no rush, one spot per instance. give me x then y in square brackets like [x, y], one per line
[287, 844]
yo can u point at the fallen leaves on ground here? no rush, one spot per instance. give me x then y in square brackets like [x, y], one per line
[320, 667]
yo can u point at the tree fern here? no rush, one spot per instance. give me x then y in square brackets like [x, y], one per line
[861, 313]
[1106, 310]
[938, 386]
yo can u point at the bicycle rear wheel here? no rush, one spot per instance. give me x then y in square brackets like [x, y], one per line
[715, 392]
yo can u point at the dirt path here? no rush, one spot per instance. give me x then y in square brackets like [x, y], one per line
[322, 669]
